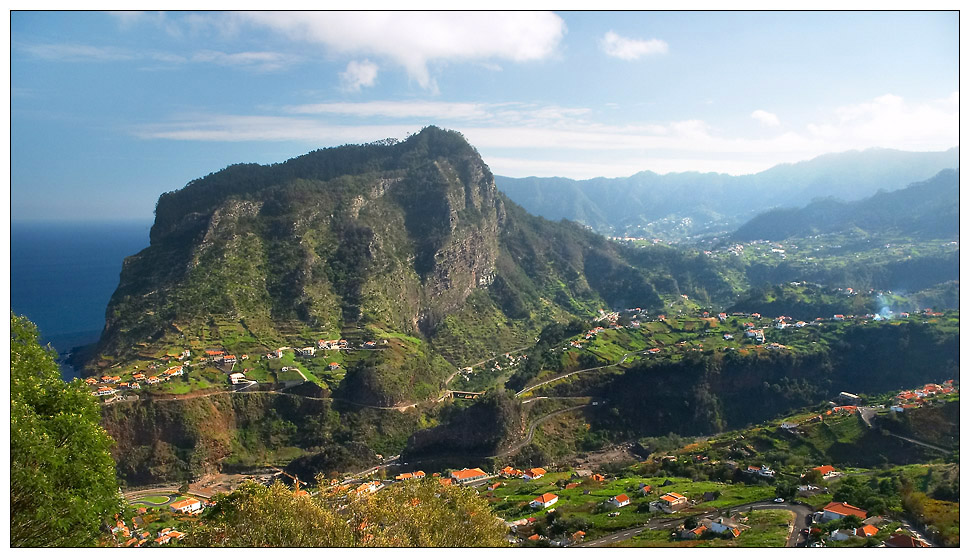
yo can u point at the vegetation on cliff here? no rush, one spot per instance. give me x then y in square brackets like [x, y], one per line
[62, 478]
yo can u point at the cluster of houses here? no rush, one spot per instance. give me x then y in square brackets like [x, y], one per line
[138, 536]
[912, 399]
[110, 385]
[727, 527]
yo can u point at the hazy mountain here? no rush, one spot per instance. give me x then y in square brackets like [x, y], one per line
[924, 210]
[658, 204]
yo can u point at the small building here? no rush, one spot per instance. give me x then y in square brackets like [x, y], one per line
[334, 365]
[534, 473]
[619, 501]
[544, 501]
[849, 398]
[187, 505]
[902, 540]
[866, 531]
[237, 377]
[835, 511]
[827, 471]
[465, 476]
[672, 502]
[842, 534]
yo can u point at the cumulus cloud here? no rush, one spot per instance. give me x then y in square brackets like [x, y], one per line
[359, 74]
[766, 118]
[631, 49]
[415, 39]
[891, 121]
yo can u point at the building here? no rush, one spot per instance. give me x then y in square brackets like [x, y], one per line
[544, 501]
[468, 475]
[619, 501]
[188, 505]
[850, 398]
[671, 502]
[902, 540]
[827, 471]
[838, 510]
[237, 377]
[534, 473]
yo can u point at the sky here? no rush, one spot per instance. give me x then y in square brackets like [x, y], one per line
[109, 110]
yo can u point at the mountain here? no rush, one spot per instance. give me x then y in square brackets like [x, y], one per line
[409, 244]
[927, 210]
[682, 204]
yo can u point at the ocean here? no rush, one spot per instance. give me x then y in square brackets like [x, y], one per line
[63, 274]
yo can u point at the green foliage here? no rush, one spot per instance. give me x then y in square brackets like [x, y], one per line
[414, 514]
[62, 479]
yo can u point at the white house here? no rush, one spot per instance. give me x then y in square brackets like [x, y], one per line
[619, 501]
[544, 501]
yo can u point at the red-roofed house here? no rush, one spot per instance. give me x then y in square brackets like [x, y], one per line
[672, 502]
[838, 510]
[827, 471]
[619, 500]
[866, 531]
[534, 473]
[468, 475]
[902, 540]
[544, 501]
[188, 505]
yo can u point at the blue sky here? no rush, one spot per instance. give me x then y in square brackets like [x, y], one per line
[108, 110]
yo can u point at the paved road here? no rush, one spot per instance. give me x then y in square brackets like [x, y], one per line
[532, 429]
[794, 536]
[561, 376]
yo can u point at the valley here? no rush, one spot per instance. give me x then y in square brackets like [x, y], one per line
[307, 319]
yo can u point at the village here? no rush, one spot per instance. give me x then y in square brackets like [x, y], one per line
[743, 503]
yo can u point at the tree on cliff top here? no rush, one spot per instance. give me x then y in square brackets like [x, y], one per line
[411, 514]
[62, 477]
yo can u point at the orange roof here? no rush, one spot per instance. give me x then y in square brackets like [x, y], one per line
[468, 474]
[669, 498]
[621, 498]
[181, 504]
[597, 477]
[572, 485]
[824, 469]
[843, 508]
[578, 534]
[700, 529]
[868, 530]
[445, 482]
[403, 476]
[546, 498]
[536, 471]
[534, 537]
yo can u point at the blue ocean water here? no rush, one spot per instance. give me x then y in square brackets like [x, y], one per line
[62, 275]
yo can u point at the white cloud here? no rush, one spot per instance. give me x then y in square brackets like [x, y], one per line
[544, 138]
[261, 61]
[891, 121]
[398, 109]
[631, 49]
[359, 74]
[73, 52]
[766, 118]
[414, 39]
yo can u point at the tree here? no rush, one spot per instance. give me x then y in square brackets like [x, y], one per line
[411, 514]
[62, 477]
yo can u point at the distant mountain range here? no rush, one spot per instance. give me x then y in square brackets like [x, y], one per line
[924, 210]
[689, 203]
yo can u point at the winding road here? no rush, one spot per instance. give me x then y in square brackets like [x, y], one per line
[566, 375]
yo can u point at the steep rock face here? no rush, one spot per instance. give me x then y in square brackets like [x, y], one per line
[403, 232]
